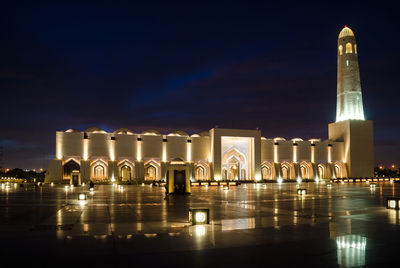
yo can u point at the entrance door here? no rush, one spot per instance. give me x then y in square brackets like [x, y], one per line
[179, 181]
[75, 179]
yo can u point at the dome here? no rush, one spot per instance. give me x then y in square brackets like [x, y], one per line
[297, 139]
[71, 130]
[178, 133]
[95, 130]
[195, 135]
[123, 131]
[279, 139]
[151, 132]
[346, 31]
[314, 140]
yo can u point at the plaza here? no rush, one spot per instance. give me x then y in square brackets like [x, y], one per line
[342, 224]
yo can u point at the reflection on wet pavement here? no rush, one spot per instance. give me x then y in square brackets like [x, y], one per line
[337, 221]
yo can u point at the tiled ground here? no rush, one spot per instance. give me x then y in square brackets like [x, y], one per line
[251, 225]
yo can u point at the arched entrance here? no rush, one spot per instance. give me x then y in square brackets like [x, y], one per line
[234, 165]
[125, 170]
[69, 166]
[152, 170]
[266, 171]
[98, 170]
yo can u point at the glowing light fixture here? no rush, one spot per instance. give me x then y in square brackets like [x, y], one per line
[393, 203]
[372, 185]
[82, 196]
[301, 191]
[52, 184]
[279, 180]
[199, 216]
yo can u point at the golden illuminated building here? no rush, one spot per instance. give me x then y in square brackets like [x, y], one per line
[228, 154]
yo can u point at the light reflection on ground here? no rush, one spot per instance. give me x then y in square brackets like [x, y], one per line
[141, 219]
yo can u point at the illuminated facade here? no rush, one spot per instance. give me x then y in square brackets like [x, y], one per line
[228, 154]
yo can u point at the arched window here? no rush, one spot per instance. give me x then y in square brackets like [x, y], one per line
[200, 173]
[338, 171]
[355, 48]
[340, 50]
[266, 172]
[285, 172]
[321, 171]
[349, 48]
[304, 174]
[99, 172]
[126, 173]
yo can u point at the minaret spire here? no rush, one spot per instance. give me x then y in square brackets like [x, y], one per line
[349, 97]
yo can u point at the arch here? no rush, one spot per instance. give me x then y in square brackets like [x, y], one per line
[340, 50]
[126, 170]
[201, 170]
[152, 170]
[305, 170]
[266, 171]
[321, 171]
[98, 170]
[349, 48]
[339, 169]
[234, 161]
[286, 171]
[69, 166]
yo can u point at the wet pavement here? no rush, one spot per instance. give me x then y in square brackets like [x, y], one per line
[250, 225]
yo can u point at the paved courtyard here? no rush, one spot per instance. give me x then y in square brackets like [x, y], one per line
[251, 224]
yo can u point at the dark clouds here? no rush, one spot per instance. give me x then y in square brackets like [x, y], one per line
[191, 67]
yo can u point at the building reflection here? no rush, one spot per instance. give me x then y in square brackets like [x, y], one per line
[351, 250]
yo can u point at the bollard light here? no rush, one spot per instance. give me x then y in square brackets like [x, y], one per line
[199, 216]
[82, 196]
[393, 203]
[301, 191]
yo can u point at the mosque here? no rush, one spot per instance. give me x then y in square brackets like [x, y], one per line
[228, 154]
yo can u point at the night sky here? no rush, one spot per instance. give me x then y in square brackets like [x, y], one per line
[190, 67]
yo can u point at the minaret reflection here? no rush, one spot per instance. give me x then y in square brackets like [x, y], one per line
[351, 250]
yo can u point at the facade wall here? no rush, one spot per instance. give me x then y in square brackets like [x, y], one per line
[112, 151]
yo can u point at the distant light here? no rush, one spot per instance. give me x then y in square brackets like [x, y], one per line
[66, 187]
[82, 196]
[52, 184]
[91, 189]
[298, 180]
[301, 191]
[279, 180]
[329, 185]
[316, 180]
[372, 185]
[83, 184]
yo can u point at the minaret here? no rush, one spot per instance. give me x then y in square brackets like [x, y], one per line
[352, 135]
[349, 98]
